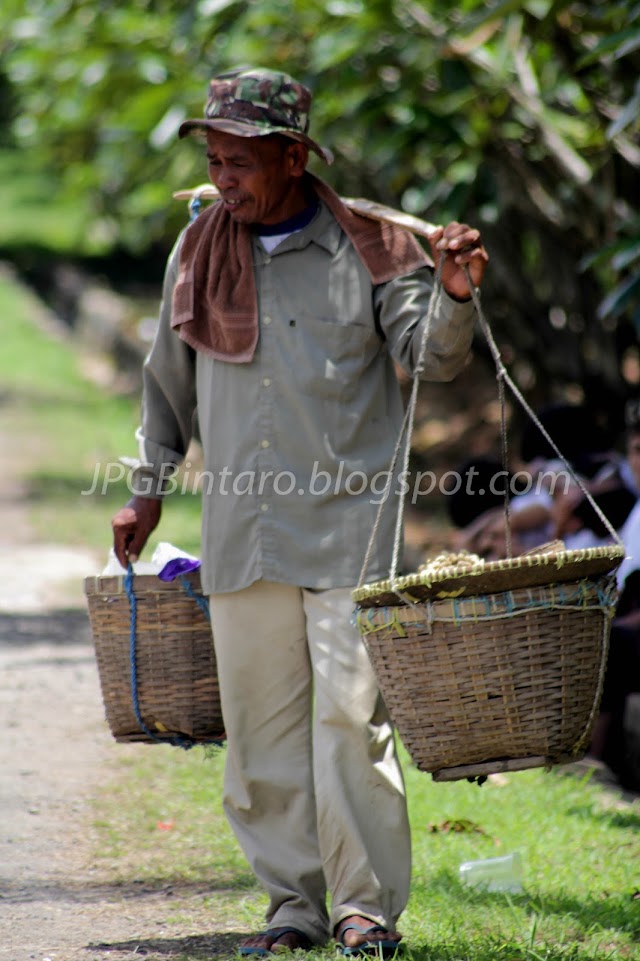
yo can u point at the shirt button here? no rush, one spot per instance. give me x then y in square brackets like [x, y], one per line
[264, 443]
[266, 381]
[266, 320]
[264, 507]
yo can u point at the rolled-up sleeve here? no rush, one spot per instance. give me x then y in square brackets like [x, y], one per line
[402, 310]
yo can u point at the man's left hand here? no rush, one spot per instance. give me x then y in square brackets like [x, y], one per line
[460, 245]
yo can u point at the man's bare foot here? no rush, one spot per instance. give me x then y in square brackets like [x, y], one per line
[276, 940]
[360, 935]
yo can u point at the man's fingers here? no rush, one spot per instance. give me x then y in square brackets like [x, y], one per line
[132, 526]
[125, 525]
[121, 544]
[455, 236]
[136, 543]
[473, 252]
[462, 245]
[125, 518]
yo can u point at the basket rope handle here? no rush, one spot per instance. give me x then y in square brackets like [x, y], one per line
[175, 740]
[133, 666]
[200, 599]
[503, 377]
[406, 430]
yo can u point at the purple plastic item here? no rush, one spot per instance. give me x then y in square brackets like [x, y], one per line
[177, 566]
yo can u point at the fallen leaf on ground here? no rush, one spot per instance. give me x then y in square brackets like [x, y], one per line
[457, 825]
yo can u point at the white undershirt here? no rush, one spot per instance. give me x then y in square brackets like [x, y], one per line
[271, 241]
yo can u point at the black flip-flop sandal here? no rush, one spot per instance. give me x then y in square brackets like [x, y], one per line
[382, 948]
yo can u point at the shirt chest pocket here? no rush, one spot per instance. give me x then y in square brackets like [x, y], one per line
[330, 358]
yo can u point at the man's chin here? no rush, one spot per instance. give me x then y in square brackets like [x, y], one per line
[239, 218]
[240, 213]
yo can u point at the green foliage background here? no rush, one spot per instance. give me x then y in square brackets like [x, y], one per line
[520, 117]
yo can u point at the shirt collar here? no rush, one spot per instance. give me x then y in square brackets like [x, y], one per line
[323, 230]
[289, 226]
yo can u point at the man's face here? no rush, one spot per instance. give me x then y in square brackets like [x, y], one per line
[258, 177]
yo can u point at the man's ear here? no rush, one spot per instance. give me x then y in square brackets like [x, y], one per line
[298, 157]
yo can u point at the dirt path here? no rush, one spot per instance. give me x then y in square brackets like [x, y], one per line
[55, 753]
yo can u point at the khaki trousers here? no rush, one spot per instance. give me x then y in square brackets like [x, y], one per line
[313, 789]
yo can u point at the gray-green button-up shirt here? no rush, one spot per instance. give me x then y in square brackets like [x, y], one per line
[297, 443]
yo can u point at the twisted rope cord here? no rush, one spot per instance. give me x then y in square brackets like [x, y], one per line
[200, 599]
[175, 740]
[387, 489]
[405, 430]
[582, 742]
[505, 461]
[503, 375]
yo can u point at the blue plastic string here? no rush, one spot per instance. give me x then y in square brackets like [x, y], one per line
[194, 208]
[200, 599]
[175, 740]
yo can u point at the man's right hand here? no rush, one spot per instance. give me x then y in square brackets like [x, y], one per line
[132, 526]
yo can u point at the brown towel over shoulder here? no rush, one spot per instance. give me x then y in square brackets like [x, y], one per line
[216, 261]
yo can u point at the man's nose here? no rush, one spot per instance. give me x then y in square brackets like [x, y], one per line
[225, 178]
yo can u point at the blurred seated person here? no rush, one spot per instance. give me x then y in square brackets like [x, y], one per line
[614, 488]
[577, 523]
[478, 509]
[546, 501]
[622, 676]
[585, 435]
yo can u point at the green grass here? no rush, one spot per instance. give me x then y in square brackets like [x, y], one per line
[63, 428]
[580, 851]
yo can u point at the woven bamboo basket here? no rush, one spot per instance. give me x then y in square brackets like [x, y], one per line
[496, 665]
[155, 657]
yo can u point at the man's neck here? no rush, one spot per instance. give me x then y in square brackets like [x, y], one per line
[290, 224]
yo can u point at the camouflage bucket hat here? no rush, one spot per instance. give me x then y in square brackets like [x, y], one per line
[254, 102]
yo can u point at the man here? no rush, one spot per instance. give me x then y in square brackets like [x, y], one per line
[283, 313]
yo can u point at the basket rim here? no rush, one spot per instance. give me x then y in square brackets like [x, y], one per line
[141, 583]
[526, 570]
